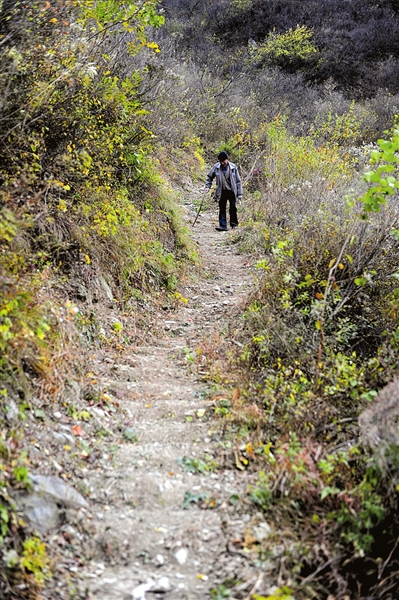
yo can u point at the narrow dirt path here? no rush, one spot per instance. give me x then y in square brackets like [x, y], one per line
[159, 535]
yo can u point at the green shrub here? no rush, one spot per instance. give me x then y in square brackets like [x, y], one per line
[291, 49]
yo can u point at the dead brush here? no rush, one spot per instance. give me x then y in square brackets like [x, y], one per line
[356, 260]
[44, 361]
[211, 356]
[248, 415]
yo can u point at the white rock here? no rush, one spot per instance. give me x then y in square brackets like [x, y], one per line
[57, 466]
[139, 592]
[181, 556]
[12, 411]
[162, 586]
[278, 550]
[261, 531]
[160, 560]
[64, 427]
[64, 438]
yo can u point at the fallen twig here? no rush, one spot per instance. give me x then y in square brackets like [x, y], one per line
[257, 584]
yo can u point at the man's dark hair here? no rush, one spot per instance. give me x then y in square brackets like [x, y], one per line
[222, 156]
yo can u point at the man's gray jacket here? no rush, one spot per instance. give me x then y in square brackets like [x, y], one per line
[235, 180]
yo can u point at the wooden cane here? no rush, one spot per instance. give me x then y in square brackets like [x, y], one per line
[199, 210]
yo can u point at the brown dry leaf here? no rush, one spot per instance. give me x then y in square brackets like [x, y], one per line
[249, 539]
[77, 430]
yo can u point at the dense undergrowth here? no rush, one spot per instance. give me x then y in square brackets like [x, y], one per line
[89, 229]
[317, 341]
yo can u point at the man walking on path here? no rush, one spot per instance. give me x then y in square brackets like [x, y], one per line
[228, 188]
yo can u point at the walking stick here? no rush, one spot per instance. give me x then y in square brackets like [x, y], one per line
[199, 210]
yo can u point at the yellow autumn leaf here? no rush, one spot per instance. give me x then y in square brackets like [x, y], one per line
[331, 263]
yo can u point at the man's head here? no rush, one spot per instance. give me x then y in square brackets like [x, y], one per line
[223, 158]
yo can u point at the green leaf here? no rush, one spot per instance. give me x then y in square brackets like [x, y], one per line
[360, 281]
[375, 155]
[386, 169]
[386, 145]
[329, 491]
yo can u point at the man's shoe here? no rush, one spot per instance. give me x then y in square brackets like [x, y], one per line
[233, 226]
[221, 228]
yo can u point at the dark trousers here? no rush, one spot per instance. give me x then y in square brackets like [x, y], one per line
[228, 195]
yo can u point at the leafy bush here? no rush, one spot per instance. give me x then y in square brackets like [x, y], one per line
[290, 49]
[320, 265]
[338, 498]
[80, 197]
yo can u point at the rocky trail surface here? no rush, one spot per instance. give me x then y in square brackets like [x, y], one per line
[165, 522]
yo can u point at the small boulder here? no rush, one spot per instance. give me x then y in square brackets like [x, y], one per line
[59, 491]
[43, 513]
[41, 506]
